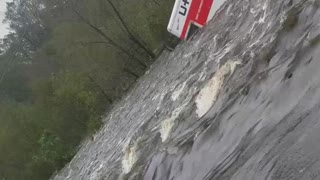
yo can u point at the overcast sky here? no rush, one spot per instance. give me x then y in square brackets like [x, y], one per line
[3, 27]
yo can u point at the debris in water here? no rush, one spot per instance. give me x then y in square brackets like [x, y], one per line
[208, 95]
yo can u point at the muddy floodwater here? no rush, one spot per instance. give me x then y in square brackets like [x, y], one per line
[239, 101]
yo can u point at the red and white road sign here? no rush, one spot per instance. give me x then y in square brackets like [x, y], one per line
[188, 13]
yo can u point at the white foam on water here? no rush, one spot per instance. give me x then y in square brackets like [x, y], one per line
[263, 18]
[69, 173]
[155, 97]
[160, 97]
[208, 95]
[95, 174]
[130, 157]
[229, 9]
[175, 95]
[167, 125]
[187, 54]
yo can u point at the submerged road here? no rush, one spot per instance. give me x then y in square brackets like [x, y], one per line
[239, 101]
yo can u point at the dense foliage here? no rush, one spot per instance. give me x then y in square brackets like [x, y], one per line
[64, 63]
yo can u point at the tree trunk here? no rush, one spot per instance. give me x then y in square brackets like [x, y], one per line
[131, 73]
[131, 36]
[100, 89]
[154, 1]
[105, 36]
[83, 43]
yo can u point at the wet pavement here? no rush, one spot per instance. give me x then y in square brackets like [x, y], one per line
[240, 101]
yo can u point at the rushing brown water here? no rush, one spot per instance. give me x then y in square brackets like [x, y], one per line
[240, 101]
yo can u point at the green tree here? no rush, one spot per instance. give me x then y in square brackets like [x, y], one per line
[62, 66]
